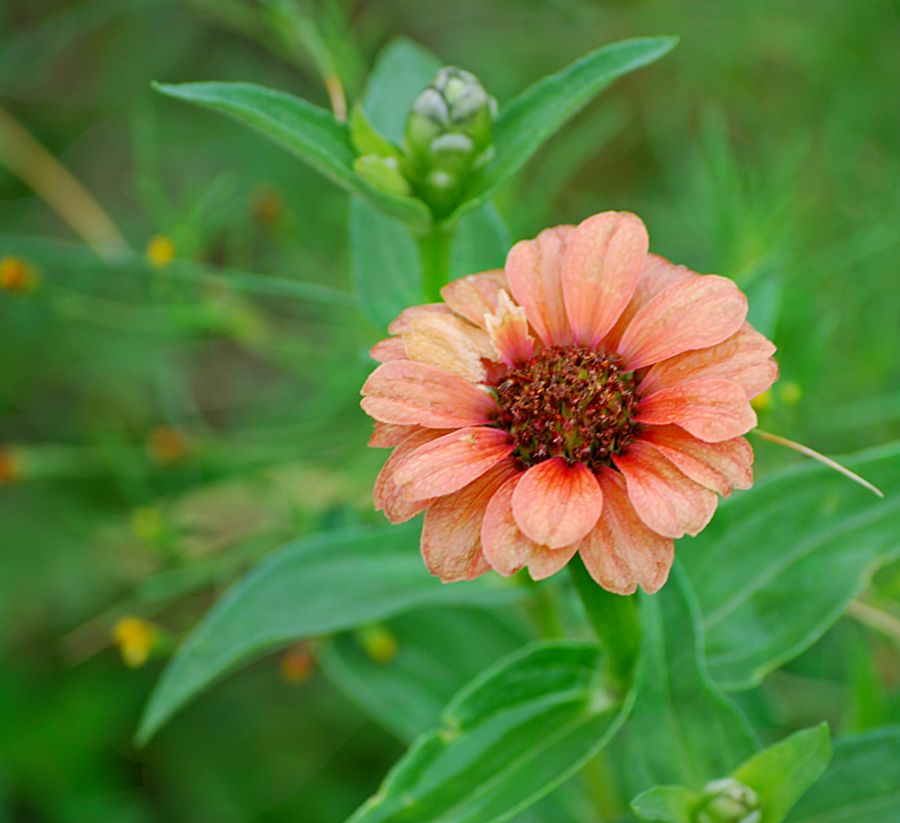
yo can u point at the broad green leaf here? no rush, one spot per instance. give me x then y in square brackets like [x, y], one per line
[481, 242]
[314, 586]
[506, 739]
[682, 729]
[862, 784]
[306, 130]
[530, 119]
[779, 563]
[438, 652]
[666, 804]
[402, 70]
[781, 773]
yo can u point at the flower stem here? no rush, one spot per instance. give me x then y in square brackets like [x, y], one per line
[616, 622]
[434, 255]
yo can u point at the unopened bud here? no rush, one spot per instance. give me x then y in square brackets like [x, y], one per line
[728, 801]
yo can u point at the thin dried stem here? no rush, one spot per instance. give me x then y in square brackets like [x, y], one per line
[875, 618]
[41, 171]
[827, 461]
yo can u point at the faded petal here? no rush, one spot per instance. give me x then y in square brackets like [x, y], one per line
[620, 552]
[719, 466]
[387, 435]
[713, 410]
[507, 549]
[534, 271]
[447, 464]
[667, 501]
[555, 504]
[603, 262]
[387, 495]
[403, 320]
[449, 343]
[508, 330]
[391, 348]
[476, 295]
[451, 533]
[407, 393]
[745, 357]
[690, 314]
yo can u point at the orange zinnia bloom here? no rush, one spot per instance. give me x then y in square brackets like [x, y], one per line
[589, 398]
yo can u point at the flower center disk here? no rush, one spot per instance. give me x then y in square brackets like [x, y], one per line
[571, 402]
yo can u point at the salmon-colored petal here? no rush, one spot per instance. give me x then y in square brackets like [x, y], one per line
[745, 357]
[449, 343]
[390, 348]
[403, 320]
[508, 330]
[447, 464]
[507, 549]
[620, 552]
[719, 466]
[407, 393]
[476, 295]
[534, 271]
[451, 533]
[657, 274]
[690, 314]
[713, 410]
[667, 501]
[555, 504]
[387, 435]
[603, 261]
[387, 495]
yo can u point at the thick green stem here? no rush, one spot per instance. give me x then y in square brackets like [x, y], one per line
[434, 255]
[615, 620]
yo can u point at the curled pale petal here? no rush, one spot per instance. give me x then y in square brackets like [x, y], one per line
[447, 464]
[667, 501]
[403, 320]
[508, 330]
[449, 343]
[407, 393]
[657, 274]
[451, 533]
[690, 314]
[387, 435]
[475, 295]
[555, 504]
[713, 410]
[391, 348]
[507, 549]
[718, 466]
[387, 495]
[745, 357]
[604, 259]
[534, 271]
[620, 552]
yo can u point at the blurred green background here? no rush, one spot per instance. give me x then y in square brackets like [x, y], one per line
[164, 425]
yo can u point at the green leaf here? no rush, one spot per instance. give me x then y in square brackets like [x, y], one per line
[481, 242]
[306, 130]
[779, 563]
[314, 586]
[682, 729]
[402, 70]
[408, 693]
[531, 119]
[862, 784]
[781, 773]
[666, 804]
[506, 739]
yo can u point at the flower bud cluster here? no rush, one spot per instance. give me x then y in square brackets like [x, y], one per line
[729, 801]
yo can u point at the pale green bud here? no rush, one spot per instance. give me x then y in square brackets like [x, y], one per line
[728, 801]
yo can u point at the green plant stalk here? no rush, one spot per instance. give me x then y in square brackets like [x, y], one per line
[434, 257]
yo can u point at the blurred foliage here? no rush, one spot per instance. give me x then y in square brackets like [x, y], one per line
[171, 413]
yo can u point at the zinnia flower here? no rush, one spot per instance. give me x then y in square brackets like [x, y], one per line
[589, 398]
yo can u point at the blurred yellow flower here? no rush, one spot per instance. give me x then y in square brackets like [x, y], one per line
[167, 445]
[135, 639]
[762, 402]
[790, 393]
[10, 467]
[146, 523]
[377, 642]
[160, 251]
[297, 664]
[17, 275]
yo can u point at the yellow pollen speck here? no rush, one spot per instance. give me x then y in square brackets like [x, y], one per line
[297, 664]
[762, 402]
[160, 251]
[146, 523]
[790, 393]
[17, 275]
[378, 643]
[135, 639]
